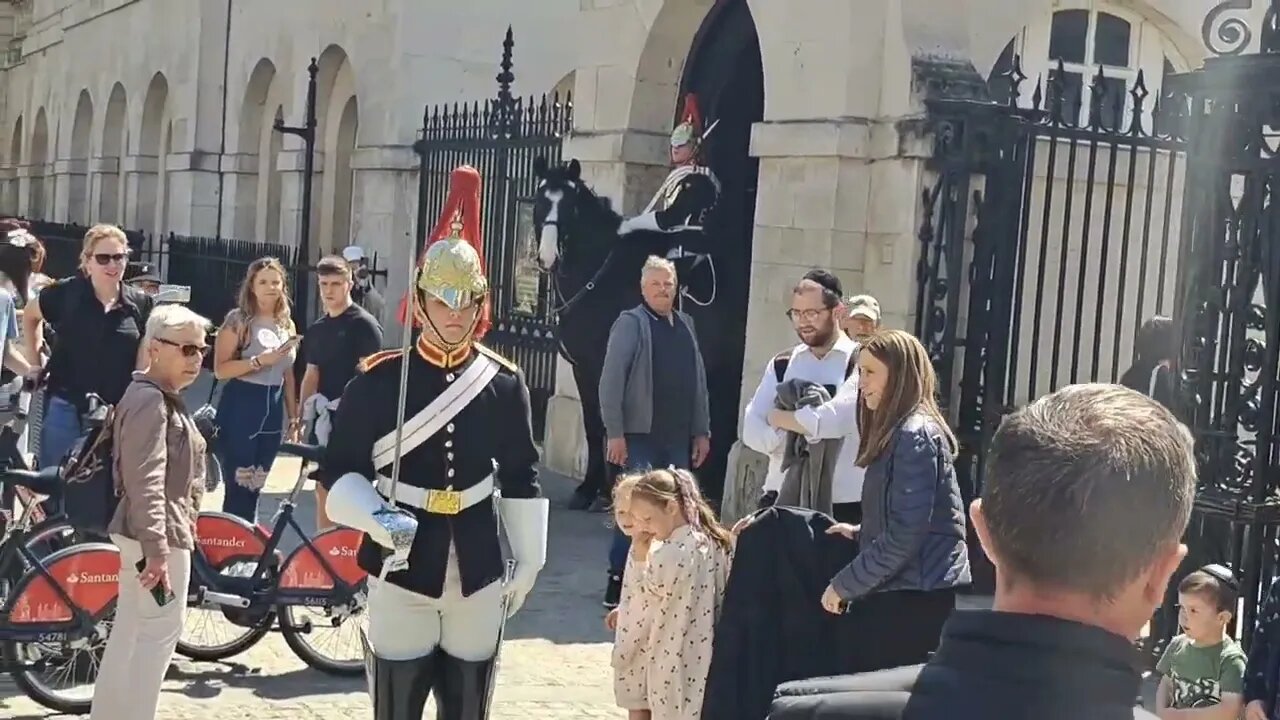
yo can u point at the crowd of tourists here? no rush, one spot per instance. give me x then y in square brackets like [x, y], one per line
[835, 598]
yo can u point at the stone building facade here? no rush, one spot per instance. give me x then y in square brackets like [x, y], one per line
[158, 114]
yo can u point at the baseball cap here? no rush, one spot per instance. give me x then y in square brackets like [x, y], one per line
[864, 306]
[140, 272]
[353, 253]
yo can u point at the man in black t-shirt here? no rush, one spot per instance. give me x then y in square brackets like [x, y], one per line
[335, 343]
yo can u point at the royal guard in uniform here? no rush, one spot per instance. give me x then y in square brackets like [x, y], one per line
[466, 466]
[688, 195]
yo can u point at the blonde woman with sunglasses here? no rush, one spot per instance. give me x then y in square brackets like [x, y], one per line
[253, 357]
[99, 322]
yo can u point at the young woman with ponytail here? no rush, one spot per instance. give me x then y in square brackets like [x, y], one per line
[681, 552]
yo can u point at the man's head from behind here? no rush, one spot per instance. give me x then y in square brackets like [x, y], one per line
[1085, 498]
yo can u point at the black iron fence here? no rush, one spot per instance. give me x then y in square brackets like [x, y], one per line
[1062, 218]
[500, 138]
[1047, 239]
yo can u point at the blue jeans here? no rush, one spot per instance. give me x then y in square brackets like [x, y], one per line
[644, 453]
[59, 429]
[250, 428]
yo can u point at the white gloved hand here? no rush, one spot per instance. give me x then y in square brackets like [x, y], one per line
[352, 502]
[627, 227]
[525, 523]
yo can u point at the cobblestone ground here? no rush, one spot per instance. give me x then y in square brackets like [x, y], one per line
[555, 662]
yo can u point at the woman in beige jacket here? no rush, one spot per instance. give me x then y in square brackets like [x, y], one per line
[159, 469]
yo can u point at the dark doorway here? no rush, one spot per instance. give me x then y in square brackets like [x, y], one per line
[726, 72]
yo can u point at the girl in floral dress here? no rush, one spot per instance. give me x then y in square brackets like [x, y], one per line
[631, 619]
[683, 581]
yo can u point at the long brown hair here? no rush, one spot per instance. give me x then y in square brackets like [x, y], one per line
[247, 302]
[661, 487]
[911, 386]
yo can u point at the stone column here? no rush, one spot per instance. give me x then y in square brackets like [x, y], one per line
[240, 214]
[59, 184]
[104, 190]
[192, 180]
[384, 207]
[141, 178]
[291, 165]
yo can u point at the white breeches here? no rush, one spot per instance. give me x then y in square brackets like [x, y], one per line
[404, 625]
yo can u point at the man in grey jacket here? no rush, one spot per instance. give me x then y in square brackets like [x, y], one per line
[653, 392]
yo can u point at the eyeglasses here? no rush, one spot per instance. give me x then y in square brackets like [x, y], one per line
[108, 258]
[188, 350]
[807, 315]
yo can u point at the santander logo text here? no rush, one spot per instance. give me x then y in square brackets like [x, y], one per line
[342, 551]
[88, 578]
[218, 542]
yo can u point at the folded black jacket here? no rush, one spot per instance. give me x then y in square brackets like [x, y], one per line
[772, 626]
[989, 666]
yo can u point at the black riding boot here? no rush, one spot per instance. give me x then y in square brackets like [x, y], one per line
[464, 690]
[399, 688]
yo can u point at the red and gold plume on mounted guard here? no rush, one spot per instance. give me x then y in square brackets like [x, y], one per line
[452, 267]
[689, 129]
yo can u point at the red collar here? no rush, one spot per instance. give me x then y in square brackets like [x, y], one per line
[446, 359]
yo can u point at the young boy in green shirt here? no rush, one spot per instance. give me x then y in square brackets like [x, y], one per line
[1203, 668]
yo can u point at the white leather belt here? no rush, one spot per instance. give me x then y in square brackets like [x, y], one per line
[438, 502]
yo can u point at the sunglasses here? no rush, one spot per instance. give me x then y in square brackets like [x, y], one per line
[108, 258]
[187, 350]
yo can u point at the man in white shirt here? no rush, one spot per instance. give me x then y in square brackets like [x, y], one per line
[825, 356]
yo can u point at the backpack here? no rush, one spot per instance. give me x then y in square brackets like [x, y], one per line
[89, 493]
[783, 360]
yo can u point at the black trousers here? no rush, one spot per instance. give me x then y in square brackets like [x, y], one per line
[899, 627]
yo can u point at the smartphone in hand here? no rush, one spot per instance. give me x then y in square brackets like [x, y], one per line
[162, 595]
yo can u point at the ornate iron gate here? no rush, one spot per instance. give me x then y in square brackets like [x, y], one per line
[501, 137]
[1230, 281]
[1046, 242]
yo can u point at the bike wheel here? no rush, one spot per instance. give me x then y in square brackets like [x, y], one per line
[334, 643]
[41, 665]
[233, 631]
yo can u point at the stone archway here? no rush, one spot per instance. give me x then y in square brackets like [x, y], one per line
[725, 70]
[257, 143]
[148, 181]
[111, 171]
[37, 198]
[338, 121]
[78, 187]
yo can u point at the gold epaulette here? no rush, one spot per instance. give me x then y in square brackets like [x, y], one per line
[492, 355]
[377, 359]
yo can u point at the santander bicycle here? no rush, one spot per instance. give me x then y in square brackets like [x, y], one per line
[57, 598]
[244, 586]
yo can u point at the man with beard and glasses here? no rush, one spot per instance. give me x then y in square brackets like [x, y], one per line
[827, 357]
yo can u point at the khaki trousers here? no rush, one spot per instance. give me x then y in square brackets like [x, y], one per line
[142, 639]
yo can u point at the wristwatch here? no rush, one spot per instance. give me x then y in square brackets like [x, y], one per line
[255, 363]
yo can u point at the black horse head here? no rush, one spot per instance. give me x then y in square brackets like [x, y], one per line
[568, 217]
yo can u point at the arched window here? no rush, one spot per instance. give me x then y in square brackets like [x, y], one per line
[1084, 40]
[1084, 36]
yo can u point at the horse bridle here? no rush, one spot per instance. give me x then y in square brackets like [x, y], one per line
[555, 275]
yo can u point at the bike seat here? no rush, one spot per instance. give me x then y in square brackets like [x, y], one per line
[45, 482]
[310, 453]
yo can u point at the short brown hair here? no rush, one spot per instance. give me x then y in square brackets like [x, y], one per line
[1211, 588]
[1085, 486]
[331, 265]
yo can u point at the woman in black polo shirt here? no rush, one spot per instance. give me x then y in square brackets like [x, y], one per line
[99, 323]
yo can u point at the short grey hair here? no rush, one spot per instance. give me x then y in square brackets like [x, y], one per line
[1086, 487]
[654, 263]
[172, 318]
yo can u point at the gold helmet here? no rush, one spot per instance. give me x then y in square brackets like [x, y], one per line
[452, 268]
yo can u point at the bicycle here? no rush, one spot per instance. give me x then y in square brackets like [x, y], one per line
[57, 610]
[240, 574]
